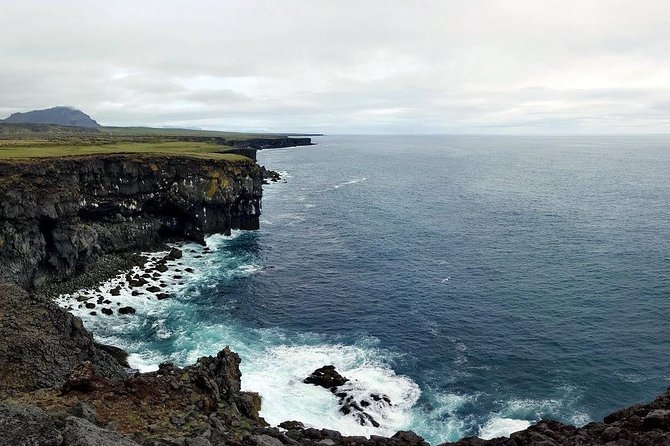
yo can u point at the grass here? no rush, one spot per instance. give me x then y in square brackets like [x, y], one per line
[16, 150]
[22, 141]
[150, 131]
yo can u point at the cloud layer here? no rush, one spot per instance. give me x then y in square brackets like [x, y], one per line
[446, 66]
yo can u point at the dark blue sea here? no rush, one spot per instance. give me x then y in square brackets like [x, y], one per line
[482, 283]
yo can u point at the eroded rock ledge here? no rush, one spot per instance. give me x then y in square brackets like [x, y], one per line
[58, 216]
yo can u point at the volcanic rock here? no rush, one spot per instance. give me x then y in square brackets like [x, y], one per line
[326, 377]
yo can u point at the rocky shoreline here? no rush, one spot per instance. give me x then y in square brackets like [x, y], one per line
[71, 223]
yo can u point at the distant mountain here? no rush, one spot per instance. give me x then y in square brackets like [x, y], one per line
[56, 115]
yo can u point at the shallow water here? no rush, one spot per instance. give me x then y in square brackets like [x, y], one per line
[480, 282]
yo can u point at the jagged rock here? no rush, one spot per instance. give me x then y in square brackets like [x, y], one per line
[326, 376]
[81, 377]
[83, 410]
[80, 432]
[265, 440]
[27, 426]
[40, 343]
[161, 267]
[409, 438]
[625, 427]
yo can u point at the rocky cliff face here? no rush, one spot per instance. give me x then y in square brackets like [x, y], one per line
[40, 343]
[57, 216]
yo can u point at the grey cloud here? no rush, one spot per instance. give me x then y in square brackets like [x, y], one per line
[349, 66]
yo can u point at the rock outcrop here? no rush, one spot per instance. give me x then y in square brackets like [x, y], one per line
[58, 216]
[352, 401]
[639, 425]
[40, 343]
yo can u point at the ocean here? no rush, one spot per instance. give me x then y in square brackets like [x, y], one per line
[481, 282]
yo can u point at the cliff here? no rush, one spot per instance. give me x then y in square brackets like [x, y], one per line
[59, 215]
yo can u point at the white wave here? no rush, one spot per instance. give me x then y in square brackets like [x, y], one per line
[277, 373]
[501, 427]
[346, 183]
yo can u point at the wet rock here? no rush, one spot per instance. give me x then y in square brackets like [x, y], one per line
[107, 311]
[288, 425]
[163, 296]
[161, 268]
[115, 291]
[153, 289]
[126, 310]
[90, 305]
[137, 282]
[135, 293]
[409, 438]
[188, 269]
[174, 254]
[326, 377]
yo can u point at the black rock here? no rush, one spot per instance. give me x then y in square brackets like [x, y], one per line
[326, 377]
[288, 425]
[126, 310]
[174, 254]
[107, 311]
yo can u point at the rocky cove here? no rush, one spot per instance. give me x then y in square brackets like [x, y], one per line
[78, 220]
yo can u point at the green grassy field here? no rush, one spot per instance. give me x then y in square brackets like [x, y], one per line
[150, 131]
[27, 149]
[21, 141]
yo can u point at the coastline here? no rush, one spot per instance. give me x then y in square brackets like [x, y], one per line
[322, 436]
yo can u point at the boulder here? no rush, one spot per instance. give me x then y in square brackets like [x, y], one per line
[326, 377]
[126, 310]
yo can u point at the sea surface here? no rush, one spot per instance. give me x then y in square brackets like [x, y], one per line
[482, 283]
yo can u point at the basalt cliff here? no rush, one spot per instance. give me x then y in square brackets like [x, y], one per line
[58, 216]
[67, 218]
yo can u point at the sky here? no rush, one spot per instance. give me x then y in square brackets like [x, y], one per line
[344, 67]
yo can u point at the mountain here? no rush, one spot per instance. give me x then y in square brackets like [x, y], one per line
[56, 115]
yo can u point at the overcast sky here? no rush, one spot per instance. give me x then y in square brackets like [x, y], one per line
[446, 66]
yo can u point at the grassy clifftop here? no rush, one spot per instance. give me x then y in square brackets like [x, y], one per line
[25, 141]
